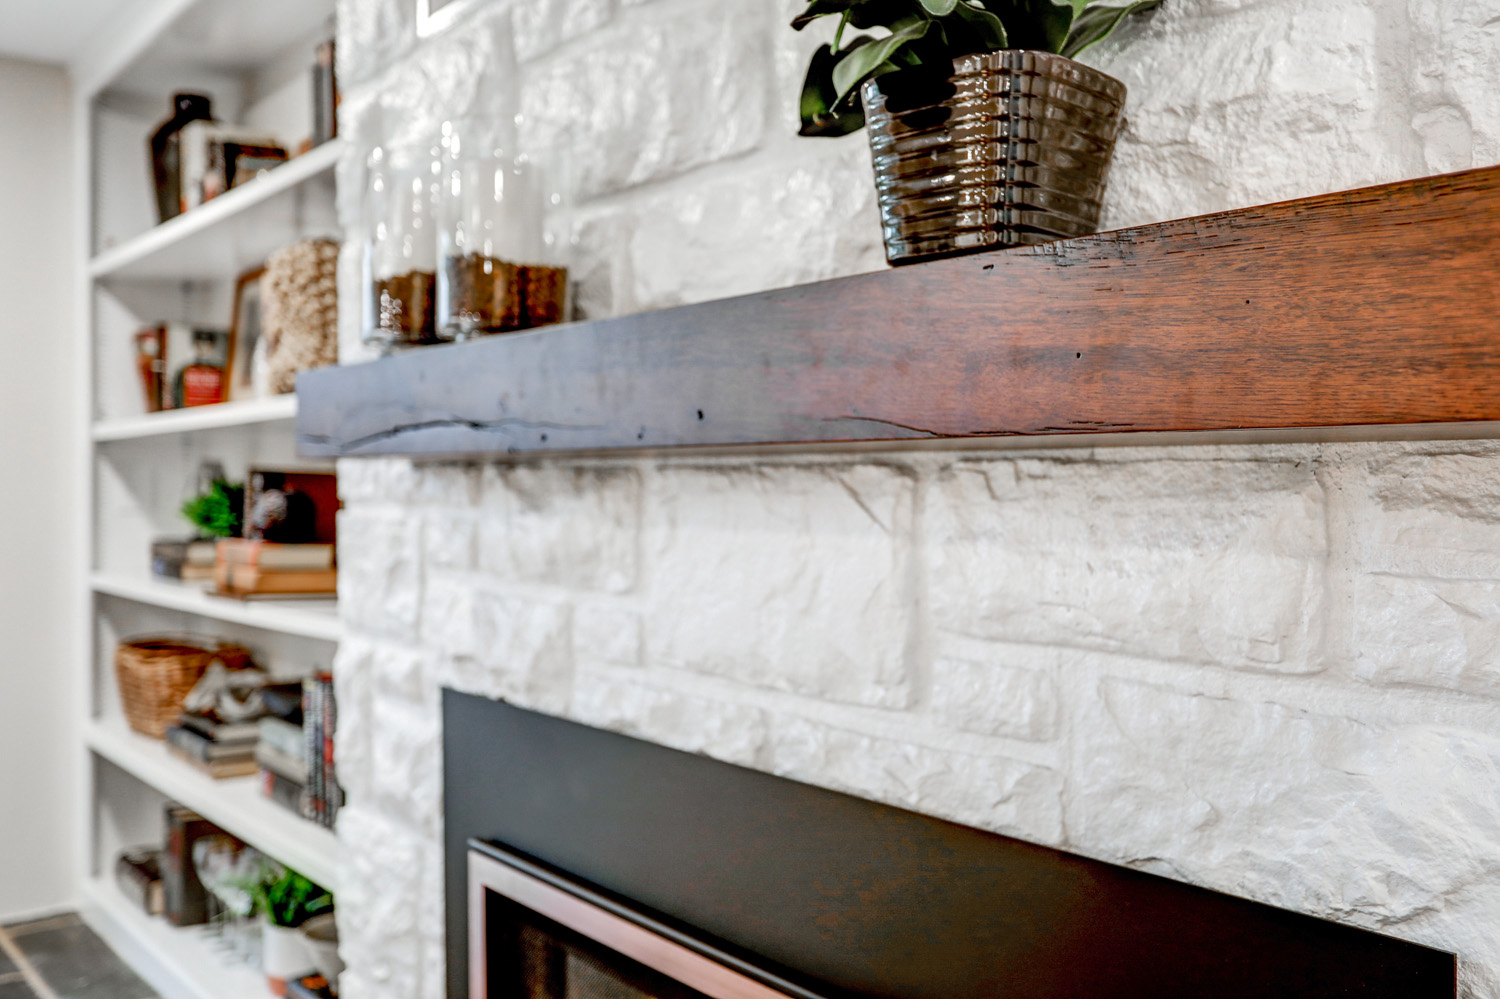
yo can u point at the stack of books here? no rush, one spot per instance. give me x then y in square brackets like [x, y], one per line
[218, 749]
[185, 560]
[296, 761]
[246, 568]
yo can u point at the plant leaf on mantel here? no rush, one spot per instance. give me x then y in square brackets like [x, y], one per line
[1098, 21]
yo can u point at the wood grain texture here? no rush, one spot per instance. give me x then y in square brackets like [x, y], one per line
[1370, 308]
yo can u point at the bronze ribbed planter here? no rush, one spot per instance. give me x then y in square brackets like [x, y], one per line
[1012, 149]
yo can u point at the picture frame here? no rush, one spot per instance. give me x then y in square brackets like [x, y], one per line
[245, 330]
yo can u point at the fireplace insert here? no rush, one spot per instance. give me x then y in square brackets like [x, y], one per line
[582, 864]
[535, 935]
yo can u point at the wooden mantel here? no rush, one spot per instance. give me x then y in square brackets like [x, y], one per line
[1373, 313]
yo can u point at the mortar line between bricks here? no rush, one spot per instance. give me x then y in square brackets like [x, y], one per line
[23, 964]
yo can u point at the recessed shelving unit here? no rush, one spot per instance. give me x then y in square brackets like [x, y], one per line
[254, 61]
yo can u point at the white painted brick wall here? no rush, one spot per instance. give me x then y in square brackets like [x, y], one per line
[1270, 670]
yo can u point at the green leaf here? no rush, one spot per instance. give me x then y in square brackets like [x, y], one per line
[821, 8]
[1099, 20]
[939, 8]
[892, 14]
[978, 30]
[819, 115]
[1035, 24]
[858, 65]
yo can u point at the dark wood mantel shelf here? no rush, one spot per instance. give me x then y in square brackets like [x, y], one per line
[1367, 314]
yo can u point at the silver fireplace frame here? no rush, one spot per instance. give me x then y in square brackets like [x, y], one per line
[599, 919]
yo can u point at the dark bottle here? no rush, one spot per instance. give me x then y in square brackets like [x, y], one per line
[166, 159]
[202, 382]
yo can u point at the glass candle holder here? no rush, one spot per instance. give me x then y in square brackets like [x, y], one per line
[503, 263]
[403, 192]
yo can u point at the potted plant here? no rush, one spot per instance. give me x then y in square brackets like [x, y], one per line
[286, 900]
[983, 130]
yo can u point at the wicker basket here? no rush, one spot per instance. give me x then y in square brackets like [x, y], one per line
[156, 674]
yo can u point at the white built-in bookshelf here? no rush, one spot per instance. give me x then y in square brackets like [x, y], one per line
[254, 60]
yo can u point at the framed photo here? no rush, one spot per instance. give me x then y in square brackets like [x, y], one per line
[435, 15]
[244, 336]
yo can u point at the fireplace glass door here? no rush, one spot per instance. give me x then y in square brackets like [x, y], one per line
[535, 936]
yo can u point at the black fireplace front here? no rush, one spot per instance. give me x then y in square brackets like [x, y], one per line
[605, 867]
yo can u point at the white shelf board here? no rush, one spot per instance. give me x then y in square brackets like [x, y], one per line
[233, 231]
[234, 803]
[185, 421]
[312, 618]
[178, 962]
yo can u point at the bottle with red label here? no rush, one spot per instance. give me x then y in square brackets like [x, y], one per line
[202, 382]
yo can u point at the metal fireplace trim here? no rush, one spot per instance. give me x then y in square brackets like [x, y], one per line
[694, 963]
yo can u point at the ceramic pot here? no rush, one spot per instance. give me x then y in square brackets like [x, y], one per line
[284, 956]
[321, 935]
[1012, 149]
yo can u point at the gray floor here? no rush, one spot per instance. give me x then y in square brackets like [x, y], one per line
[61, 958]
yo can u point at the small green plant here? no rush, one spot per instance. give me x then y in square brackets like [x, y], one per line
[286, 898]
[924, 37]
[219, 512]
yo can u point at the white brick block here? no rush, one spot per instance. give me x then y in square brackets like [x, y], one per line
[525, 651]
[575, 527]
[635, 105]
[379, 933]
[789, 577]
[1207, 561]
[354, 676]
[1260, 104]
[990, 792]
[449, 541]
[993, 698]
[408, 764]
[380, 572]
[732, 732]
[785, 223]
[604, 635]
[542, 25]
[448, 619]
[1327, 815]
[372, 33]
[1429, 632]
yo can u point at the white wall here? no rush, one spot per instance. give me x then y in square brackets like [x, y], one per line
[38, 488]
[1271, 670]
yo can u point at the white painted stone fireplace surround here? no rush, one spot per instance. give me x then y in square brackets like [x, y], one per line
[1272, 670]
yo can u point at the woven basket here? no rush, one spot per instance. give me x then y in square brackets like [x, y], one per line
[156, 674]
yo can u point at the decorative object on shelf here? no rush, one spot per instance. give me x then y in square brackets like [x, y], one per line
[166, 159]
[286, 900]
[217, 157]
[138, 876]
[311, 987]
[301, 311]
[218, 510]
[155, 675]
[984, 132]
[151, 365]
[186, 901]
[200, 382]
[322, 936]
[190, 560]
[246, 329]
[501, 266]
[224, 865]
[290, 507]
[325, 90]
[400, 236]
[322, 797]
